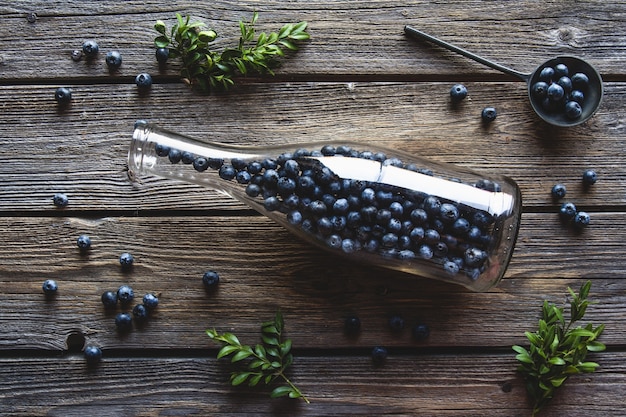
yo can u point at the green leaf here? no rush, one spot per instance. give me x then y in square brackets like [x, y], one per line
[557, 382]
[161, 41]
[556, 360]
[240, 378]
[226, 350]
[160, 27]
[285, 347]
[281, 391]
[241, 355]
[255, 379]
[582, 333]
[288, 44]
[231, 339]
[596, 346]
[270, 340]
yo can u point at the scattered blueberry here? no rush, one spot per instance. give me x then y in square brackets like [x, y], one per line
[458, 92]
[109, 299]
[93, 355]
[113, 60]
[90, 48]
[558, 191]
[581, 220]
[589, 177]
[567, 211]
[352, 325]
[420, 331]
[396, 323]
[143, 81]
[126, 260]
[123, 322]
[125, 294]
[63, 96]
[151, 301]
[162, 55]
[49, 287]
[488, 114]
[83, 242]
[210, 279]
[140, 312]
[31, 17]
[379, 355]
[77, 55]
[60, 200]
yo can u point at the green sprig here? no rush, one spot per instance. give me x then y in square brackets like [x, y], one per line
[267, 361]
[208, 69]
[558, 349]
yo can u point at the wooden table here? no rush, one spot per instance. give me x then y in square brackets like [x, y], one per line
[358, 78]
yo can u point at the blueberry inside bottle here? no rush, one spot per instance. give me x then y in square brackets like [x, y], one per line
[367, 203]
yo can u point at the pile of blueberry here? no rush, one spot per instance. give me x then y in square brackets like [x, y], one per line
[125, 295]
[560, 92]
[568, 212]
[396, 224]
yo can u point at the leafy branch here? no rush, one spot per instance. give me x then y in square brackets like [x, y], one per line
[558, 349]
[208, 69]
[267, 361]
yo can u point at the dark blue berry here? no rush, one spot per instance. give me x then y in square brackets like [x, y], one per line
[215, 163]
[123, 322]
[581, 219]
[580, 81]
[334, 241]
[488, 114]
[348, 245]
[90, 48]
[126, 260]
[449, 213]
[60, 200]
[109, 299]
[175, 156]
[458, 92]
[253, 190]
[546, 75]
[419, 216]
[396, 323]
[589, 177]
[227, 172]
[577, 96]
[555, 92]
[474, 257]
[210, 280]
[188, 157]
[113, 60]
[63, 96]
[558, 191]
[352, 325]
[161, 150]
[83, 242]
[93, 355]
[379, 355]
[425, 251]
[561, 70]
[567, 211]
[244, 177]
[420, 331]
[140, 312]
[77, 55]
[573, 110]
[151, 301]
[49, 287]
[200, 164]
[162, 54]
[539, 90]
[143, 81]
[125, 294]
[566, 83]
[451, 267]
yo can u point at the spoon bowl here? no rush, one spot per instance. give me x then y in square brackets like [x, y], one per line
[593, 91]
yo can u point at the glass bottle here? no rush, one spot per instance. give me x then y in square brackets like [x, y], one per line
[381, 206]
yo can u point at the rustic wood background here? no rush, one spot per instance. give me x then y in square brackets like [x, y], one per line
[358, 78]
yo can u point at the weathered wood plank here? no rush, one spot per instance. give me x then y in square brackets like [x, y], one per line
[409, 384]
[362, 39]
[264, 269]
[82, 151]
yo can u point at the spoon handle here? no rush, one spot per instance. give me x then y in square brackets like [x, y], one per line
[421, 35]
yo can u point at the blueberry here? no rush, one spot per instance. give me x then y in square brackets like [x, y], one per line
[113, 60]
[175, 156]
[555, 92]
[348, 245]
[123, 322]
[406, 255]
[420, 331]
[334, 241]
[60, 200]
[215, 163]
[109, 299]
[244, 177]
[253, 190]
[188, 157]
[352, 325]
[432, 205]
[488, 114]
[567, 211]
[125, 294]
[581, 219]
[451, 267]
[546, 75]
[93, 355]
[458, 92]
[77, 54]
[150, 301]
[227, 172]
[425, 251]
[31, 17]
[379, 355]
[200, 164]
[419, 216]
[63, 96]
[573, 110]
[140, 312]
[589, 177]
[49, 287]
[389, 240]
[577, 96]
[161, 150]
[285, 186]
[162, 54]
[126, 260]
[90, 48]
[83, 242]
[561, 70]
[566, 83]
[449, 213]
[396, 323]
[474, 257]
[431, 236]
[143, 81]
[539, 90]
[558, 191]
[210, 280]
[580, 81]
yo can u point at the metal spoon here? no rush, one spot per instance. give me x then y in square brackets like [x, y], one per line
[593, 93]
